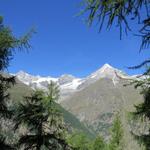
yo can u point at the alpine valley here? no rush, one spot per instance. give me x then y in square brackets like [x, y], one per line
[95, 99]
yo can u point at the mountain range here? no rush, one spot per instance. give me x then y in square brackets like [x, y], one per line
[95, 99]
[70, 84]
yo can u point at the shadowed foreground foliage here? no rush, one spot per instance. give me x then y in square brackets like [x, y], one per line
[44, 123]
[8, 44]
[120, 13]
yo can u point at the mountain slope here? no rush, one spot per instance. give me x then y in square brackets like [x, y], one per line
[93, 99]
[20, 90]
[96, 104]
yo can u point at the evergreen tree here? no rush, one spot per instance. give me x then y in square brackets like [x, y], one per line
[45, 127]
[120, 12]
[8, 44]
[99, 144]
[143, 110]
[79, 141]
[116, 142]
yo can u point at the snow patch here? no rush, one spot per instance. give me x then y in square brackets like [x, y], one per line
[72, 85]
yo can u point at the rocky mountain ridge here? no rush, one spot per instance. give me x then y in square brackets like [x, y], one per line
[68, 83]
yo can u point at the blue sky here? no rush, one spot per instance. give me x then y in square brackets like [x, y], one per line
[63, 42]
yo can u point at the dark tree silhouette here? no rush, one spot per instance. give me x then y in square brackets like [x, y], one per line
[45, 127]
[8, 44]
[120, 13]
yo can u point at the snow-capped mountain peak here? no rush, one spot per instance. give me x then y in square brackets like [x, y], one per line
[69, 83]
[105, 71]
[66, 82]
[21, 73]
[26, 78]
[105, 66]
[66, 78]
